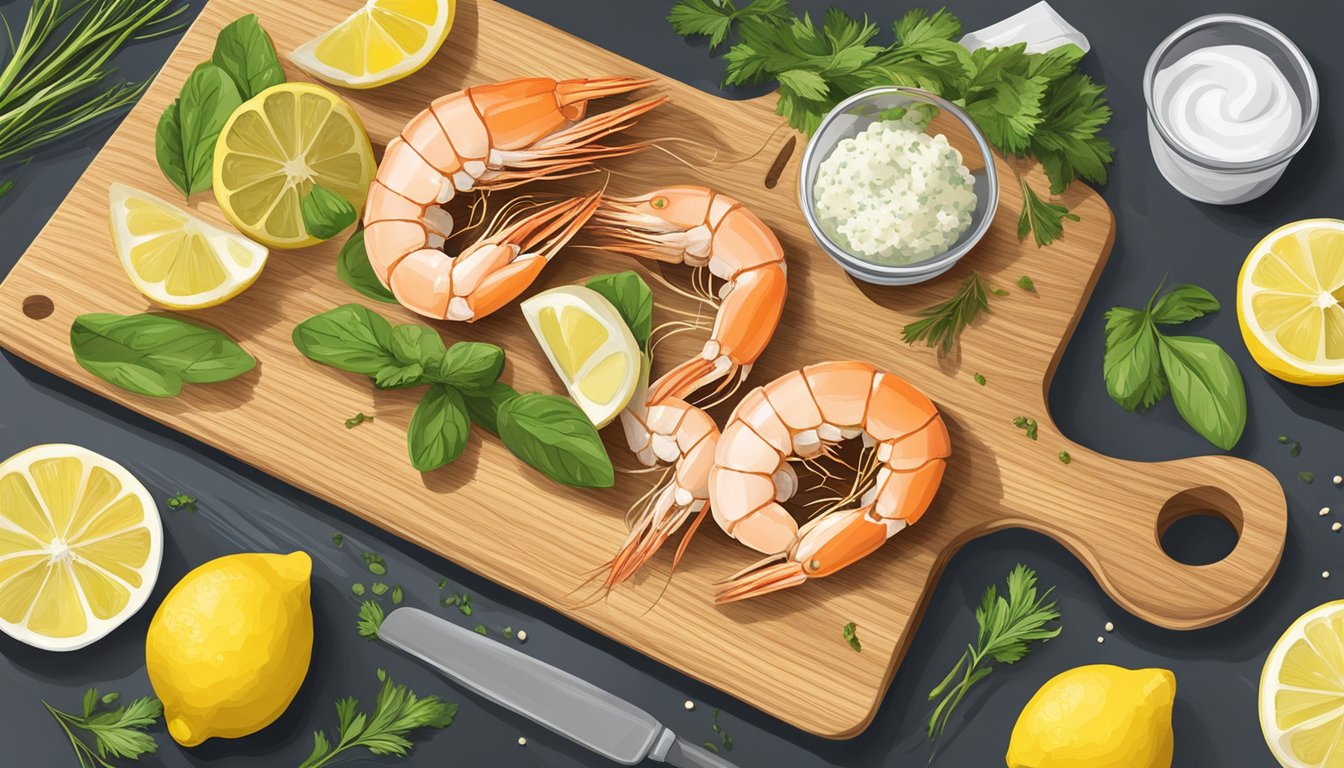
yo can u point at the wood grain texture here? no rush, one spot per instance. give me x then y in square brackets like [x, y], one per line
[783, 654]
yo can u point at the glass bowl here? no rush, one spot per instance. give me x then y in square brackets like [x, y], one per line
[854, 115]
[1208, 179]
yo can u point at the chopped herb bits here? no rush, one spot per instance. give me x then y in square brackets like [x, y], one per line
[338, 539]
[184, 502]
[980, 379]
[1306, 477]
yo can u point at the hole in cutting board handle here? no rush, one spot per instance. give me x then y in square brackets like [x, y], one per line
[38, 307]
[1199, 526]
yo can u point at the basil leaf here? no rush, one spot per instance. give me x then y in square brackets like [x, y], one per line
[483, 405]
[554, 437]
[1206, 387]
[351, 338]
[155, 355]
[245, 52]
[412, 343]
[439, 429]
[184, 141]
[471, 365]
[399, 376]
[352, 266]
[631, 296]
[1182, 304]
[168, 148]
[1132, 367]
[326, 213]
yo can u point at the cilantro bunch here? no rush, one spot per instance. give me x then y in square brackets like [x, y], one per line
[1027, 104]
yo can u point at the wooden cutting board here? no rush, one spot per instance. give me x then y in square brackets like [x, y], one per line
[783, 653]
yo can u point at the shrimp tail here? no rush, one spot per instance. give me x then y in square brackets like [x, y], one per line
[759, 579]
[687, 377]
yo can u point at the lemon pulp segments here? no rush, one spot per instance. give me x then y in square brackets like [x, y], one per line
[275, 147]
[1302, 691]
[175, 258]
[381, 42]
[80, 543]
[590, 347]
[1289, 302]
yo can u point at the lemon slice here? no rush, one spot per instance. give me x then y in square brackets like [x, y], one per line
[1288, 302]
[384, 41]
[1302, 691]
[589, 345]
[275, 147]
[177, 259]
[80, 544]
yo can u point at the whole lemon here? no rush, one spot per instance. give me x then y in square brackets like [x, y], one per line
[230, 645]
[1097, 716]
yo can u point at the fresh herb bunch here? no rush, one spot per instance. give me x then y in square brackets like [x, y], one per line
[55, 77]
[117, 732]
[1006, 629]
[1034, 104]
[549, 433]
[941, 325]
[1142, 364]
[154, 355]
[397, 712]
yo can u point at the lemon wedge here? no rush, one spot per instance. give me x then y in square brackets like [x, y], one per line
[384, 41]
[80, 545]
[175, 258]
[590, 347]
[1288, 302]
[275, 147]
[1302, 690]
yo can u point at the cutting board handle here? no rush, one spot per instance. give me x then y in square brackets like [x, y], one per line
[1119, 511]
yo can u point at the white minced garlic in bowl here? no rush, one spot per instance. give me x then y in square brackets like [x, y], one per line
[894, 194]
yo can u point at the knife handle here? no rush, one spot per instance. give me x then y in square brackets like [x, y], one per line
[684, 754]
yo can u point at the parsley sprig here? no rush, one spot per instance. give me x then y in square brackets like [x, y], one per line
[1007, 627]
[397, 712]
[1035, 104]
[117, 732]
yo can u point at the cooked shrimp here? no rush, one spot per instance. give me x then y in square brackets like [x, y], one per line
[805, 414]
[486, 137]
[699, 227]
[680, 434]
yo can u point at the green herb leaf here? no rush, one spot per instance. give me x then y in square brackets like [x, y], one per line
[351, 338]
[353, 268]
[553, 436]
[184, 502]
[483, 405]
[632, 298]
[941, 325]
[357, 588]
[397, 595]
[357, 419]
[980, 379]
[471, 366]
[1183, 303]
[439, 428]
[1306, 477]
[245, 52]
[1066, 140]
[326, 213]
[397, 713]
[1283, 439]
[187, 131]
[1132, 366]
[1065, 457]
[338, 538]
[370, 619]
[1043, 221]
[850, 633]
[1206, 387]
[1026, 284]
[481, 630]
[1007, 627]
[715, 18]
[378, 588]
[508, 633]
[1029, 425]
[155, 355]
[117, 733]
[1295, 450]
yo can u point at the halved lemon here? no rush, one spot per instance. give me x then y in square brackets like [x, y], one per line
[384, 41]
[590, 347]
[175, 258]
[1302, 691]
[275, 147]
[1288, 302]
[80, 545]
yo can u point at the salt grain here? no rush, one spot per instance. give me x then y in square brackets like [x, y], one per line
[1339, 480]
[522, 741]
[689, 705]
[521, 635]
[1110, 627]
[1324, 511]
[1337, 526]
[1100, 639]
[1325, 574]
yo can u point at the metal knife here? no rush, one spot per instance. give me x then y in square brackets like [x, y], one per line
[550, 697]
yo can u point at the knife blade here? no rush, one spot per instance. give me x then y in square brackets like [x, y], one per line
[549, 696]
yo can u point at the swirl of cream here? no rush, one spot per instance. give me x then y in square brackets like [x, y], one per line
[1229, 103]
